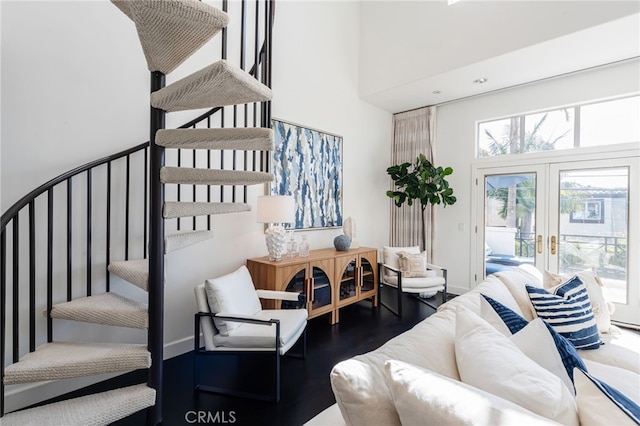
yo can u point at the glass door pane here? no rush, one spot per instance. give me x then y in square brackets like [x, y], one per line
[593, 226]
[509, 220]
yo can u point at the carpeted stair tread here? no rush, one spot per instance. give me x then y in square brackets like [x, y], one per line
[98, 409]
[176, 240]
[189, 176]
[170, 31]
[61, 360]
[106, 309]
[188, 209]
[241, 138]
[134, 271]
[218, 84]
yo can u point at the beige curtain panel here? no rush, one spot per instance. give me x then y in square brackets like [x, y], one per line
[413, 133]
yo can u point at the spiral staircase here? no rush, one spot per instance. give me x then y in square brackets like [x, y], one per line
[170, 31]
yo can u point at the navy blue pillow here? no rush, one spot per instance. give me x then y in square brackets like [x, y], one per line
[513, 321]
[568, 311]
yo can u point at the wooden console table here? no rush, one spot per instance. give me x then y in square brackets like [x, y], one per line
[330, 279]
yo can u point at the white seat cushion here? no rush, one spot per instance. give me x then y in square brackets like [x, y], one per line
[232, 294]
[416, 283]
[292, 324]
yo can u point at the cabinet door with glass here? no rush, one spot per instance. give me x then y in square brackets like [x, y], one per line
[315, 280]
[356, 276]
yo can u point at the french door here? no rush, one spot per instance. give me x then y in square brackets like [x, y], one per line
[565, 217]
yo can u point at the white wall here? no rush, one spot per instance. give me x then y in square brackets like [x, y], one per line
[316, 85]
[75, 88]
[456, 124]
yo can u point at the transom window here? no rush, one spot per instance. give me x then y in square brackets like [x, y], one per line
[594, 124]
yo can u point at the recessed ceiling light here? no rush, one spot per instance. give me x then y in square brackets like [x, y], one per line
[480, 80]
[453, 1]
[436, 92]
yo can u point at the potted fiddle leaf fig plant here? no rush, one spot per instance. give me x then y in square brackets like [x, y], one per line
[421, 182]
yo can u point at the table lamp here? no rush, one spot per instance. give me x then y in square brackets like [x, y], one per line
[276, 210]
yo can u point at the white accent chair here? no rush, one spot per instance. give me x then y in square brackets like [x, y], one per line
[423, 287]
[232, 321]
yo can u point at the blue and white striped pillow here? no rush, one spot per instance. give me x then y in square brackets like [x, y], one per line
[568, 311]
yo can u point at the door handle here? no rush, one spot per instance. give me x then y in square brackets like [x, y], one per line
[539, 243]
[553, 244]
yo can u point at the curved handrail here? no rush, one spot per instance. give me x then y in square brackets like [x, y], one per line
[24, 201]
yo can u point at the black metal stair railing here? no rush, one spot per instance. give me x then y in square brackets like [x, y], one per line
[63, 234]
[71, 236]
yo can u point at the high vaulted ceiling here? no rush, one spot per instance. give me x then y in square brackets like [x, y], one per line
[418, 53]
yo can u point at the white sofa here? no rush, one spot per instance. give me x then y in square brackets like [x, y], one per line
[415, 377]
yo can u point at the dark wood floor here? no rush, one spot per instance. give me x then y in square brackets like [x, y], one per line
[306, 389]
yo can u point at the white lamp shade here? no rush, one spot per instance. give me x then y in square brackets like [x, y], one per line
[276, 209]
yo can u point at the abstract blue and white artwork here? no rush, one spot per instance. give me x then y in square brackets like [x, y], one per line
[307, 164]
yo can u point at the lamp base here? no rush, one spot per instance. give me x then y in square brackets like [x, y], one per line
[275, 237]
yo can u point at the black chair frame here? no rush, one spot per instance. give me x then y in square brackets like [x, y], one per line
[398, 311]
[200, 351]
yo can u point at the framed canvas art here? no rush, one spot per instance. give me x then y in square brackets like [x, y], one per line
[307, 164]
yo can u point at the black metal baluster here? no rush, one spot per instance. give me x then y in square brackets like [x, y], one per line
[32, 276]
[208, 187]
[89, 226]
[49, 264]
[194, 187]
[16, 287]
[108, 227]
[69, 237]
[127, 206]
[3, 320]
[146, 204]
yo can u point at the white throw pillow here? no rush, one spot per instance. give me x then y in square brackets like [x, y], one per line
[599, 404]
[537, 343]
[490, 361]
[420, 394]
[413, 265]
[232, 294]
[595, 290]
[390, 257]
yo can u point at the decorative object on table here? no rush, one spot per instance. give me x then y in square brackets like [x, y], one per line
[303, 249]
[350, 230]
[307, 164]
[275, 211]
[342, 243]
[292, 245]
[420, 181]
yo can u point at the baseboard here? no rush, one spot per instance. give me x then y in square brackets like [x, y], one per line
[21, 396]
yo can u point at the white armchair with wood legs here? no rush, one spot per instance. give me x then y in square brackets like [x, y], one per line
[232, 321]
[406, 270]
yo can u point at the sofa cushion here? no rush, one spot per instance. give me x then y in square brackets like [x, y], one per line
[493, 288]
[419, 394]
[515, 281]
[594, 285]
[620, 349]
[232, 294]
[359, 382]
[490, 361]
[568, 310]
[600, 404]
